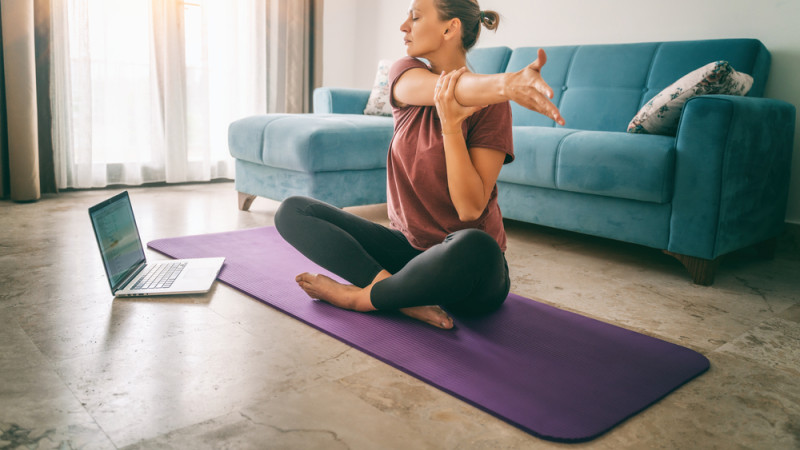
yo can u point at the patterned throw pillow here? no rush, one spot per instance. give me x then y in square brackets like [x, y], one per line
[378, 103]
[661, 114]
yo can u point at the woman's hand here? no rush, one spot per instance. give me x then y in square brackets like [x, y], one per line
[451, 113]
[528, 88]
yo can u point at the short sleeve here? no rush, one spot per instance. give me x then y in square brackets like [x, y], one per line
[400, 67]
[491, 128]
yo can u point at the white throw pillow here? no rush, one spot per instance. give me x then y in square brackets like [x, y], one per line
[661, 114]
[378, 103]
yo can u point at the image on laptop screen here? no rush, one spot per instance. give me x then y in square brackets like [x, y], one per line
[118, 238]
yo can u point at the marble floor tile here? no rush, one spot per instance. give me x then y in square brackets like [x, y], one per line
[149, 389]
[239, 431]
[17, 350]
[773, 343]
[324, 417]
[66, 330]
[792, 314]
[38, 411]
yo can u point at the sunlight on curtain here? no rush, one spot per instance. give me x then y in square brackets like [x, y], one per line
[144, 90]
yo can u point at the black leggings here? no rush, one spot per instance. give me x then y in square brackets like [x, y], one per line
[466, 274]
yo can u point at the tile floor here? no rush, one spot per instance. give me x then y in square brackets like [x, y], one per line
[81, 370]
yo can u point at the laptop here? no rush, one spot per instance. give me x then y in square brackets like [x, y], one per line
[129, 274]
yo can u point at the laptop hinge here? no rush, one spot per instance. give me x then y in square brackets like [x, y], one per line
[130, 277]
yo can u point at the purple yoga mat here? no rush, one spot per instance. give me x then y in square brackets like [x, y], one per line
[555, 374]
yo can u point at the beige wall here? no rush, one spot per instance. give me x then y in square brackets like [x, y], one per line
[357, 33]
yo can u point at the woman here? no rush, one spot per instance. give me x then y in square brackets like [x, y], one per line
[445, 248]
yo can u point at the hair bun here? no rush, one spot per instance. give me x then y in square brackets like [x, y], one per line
[490, 19]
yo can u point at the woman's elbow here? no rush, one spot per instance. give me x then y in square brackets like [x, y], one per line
[469, 215]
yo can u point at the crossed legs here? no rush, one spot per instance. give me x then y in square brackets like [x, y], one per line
[465, 274]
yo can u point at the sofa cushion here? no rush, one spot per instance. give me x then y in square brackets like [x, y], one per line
[596, 87]
[604, 85]
[312, 142]
[661, 114]
[378, 103]
[488, 59]
[535, 151]
[621, 165]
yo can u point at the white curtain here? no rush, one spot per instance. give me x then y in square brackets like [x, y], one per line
[144, 90]
[292, 68]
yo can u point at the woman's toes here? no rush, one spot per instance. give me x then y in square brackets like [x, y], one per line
[305, 276]
[432, 315]
[444, 320]
[446, 323]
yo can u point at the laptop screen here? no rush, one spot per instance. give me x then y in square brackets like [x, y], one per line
[117, 237]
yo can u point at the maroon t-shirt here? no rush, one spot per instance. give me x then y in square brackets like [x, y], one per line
[418, 195]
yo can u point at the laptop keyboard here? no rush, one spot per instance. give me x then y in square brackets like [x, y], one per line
[160, 276]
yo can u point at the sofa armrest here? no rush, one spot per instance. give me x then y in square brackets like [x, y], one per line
[340, 100]
[732, 167]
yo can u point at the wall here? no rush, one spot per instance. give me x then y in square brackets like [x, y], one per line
[357, 33]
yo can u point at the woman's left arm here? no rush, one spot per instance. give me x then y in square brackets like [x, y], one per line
[471, 173]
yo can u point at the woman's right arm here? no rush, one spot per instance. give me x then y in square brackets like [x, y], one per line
[526, 87]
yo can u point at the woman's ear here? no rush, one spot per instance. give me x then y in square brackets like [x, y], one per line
[453, 28]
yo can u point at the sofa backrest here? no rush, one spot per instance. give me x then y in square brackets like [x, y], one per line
[601, 87]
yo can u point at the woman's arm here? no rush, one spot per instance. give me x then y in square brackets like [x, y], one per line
[526, 87]
[471, 173]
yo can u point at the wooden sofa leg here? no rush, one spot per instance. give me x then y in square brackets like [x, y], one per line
[701, 270]
[245, 200]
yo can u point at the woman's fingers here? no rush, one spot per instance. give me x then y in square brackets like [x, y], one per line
[531, 98]
[546, 107]
[445, 87]
[450, 81]
[456, 74]
[538, 98]
[550, 110]
[446, 83]
[544, 88]
[541, 60]
[533, 76]
[448, 108]
[438, 88]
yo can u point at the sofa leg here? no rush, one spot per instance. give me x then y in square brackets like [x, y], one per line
[701, 270]
[245, 200]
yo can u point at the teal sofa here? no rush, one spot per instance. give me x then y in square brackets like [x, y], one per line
[719, 185]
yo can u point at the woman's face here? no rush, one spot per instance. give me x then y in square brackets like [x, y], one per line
[422, 30]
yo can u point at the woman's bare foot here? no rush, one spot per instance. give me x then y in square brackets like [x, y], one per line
[344, 296]
[433, 315]
[354, 298]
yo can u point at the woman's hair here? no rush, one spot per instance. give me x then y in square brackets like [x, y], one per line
[471, 18]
